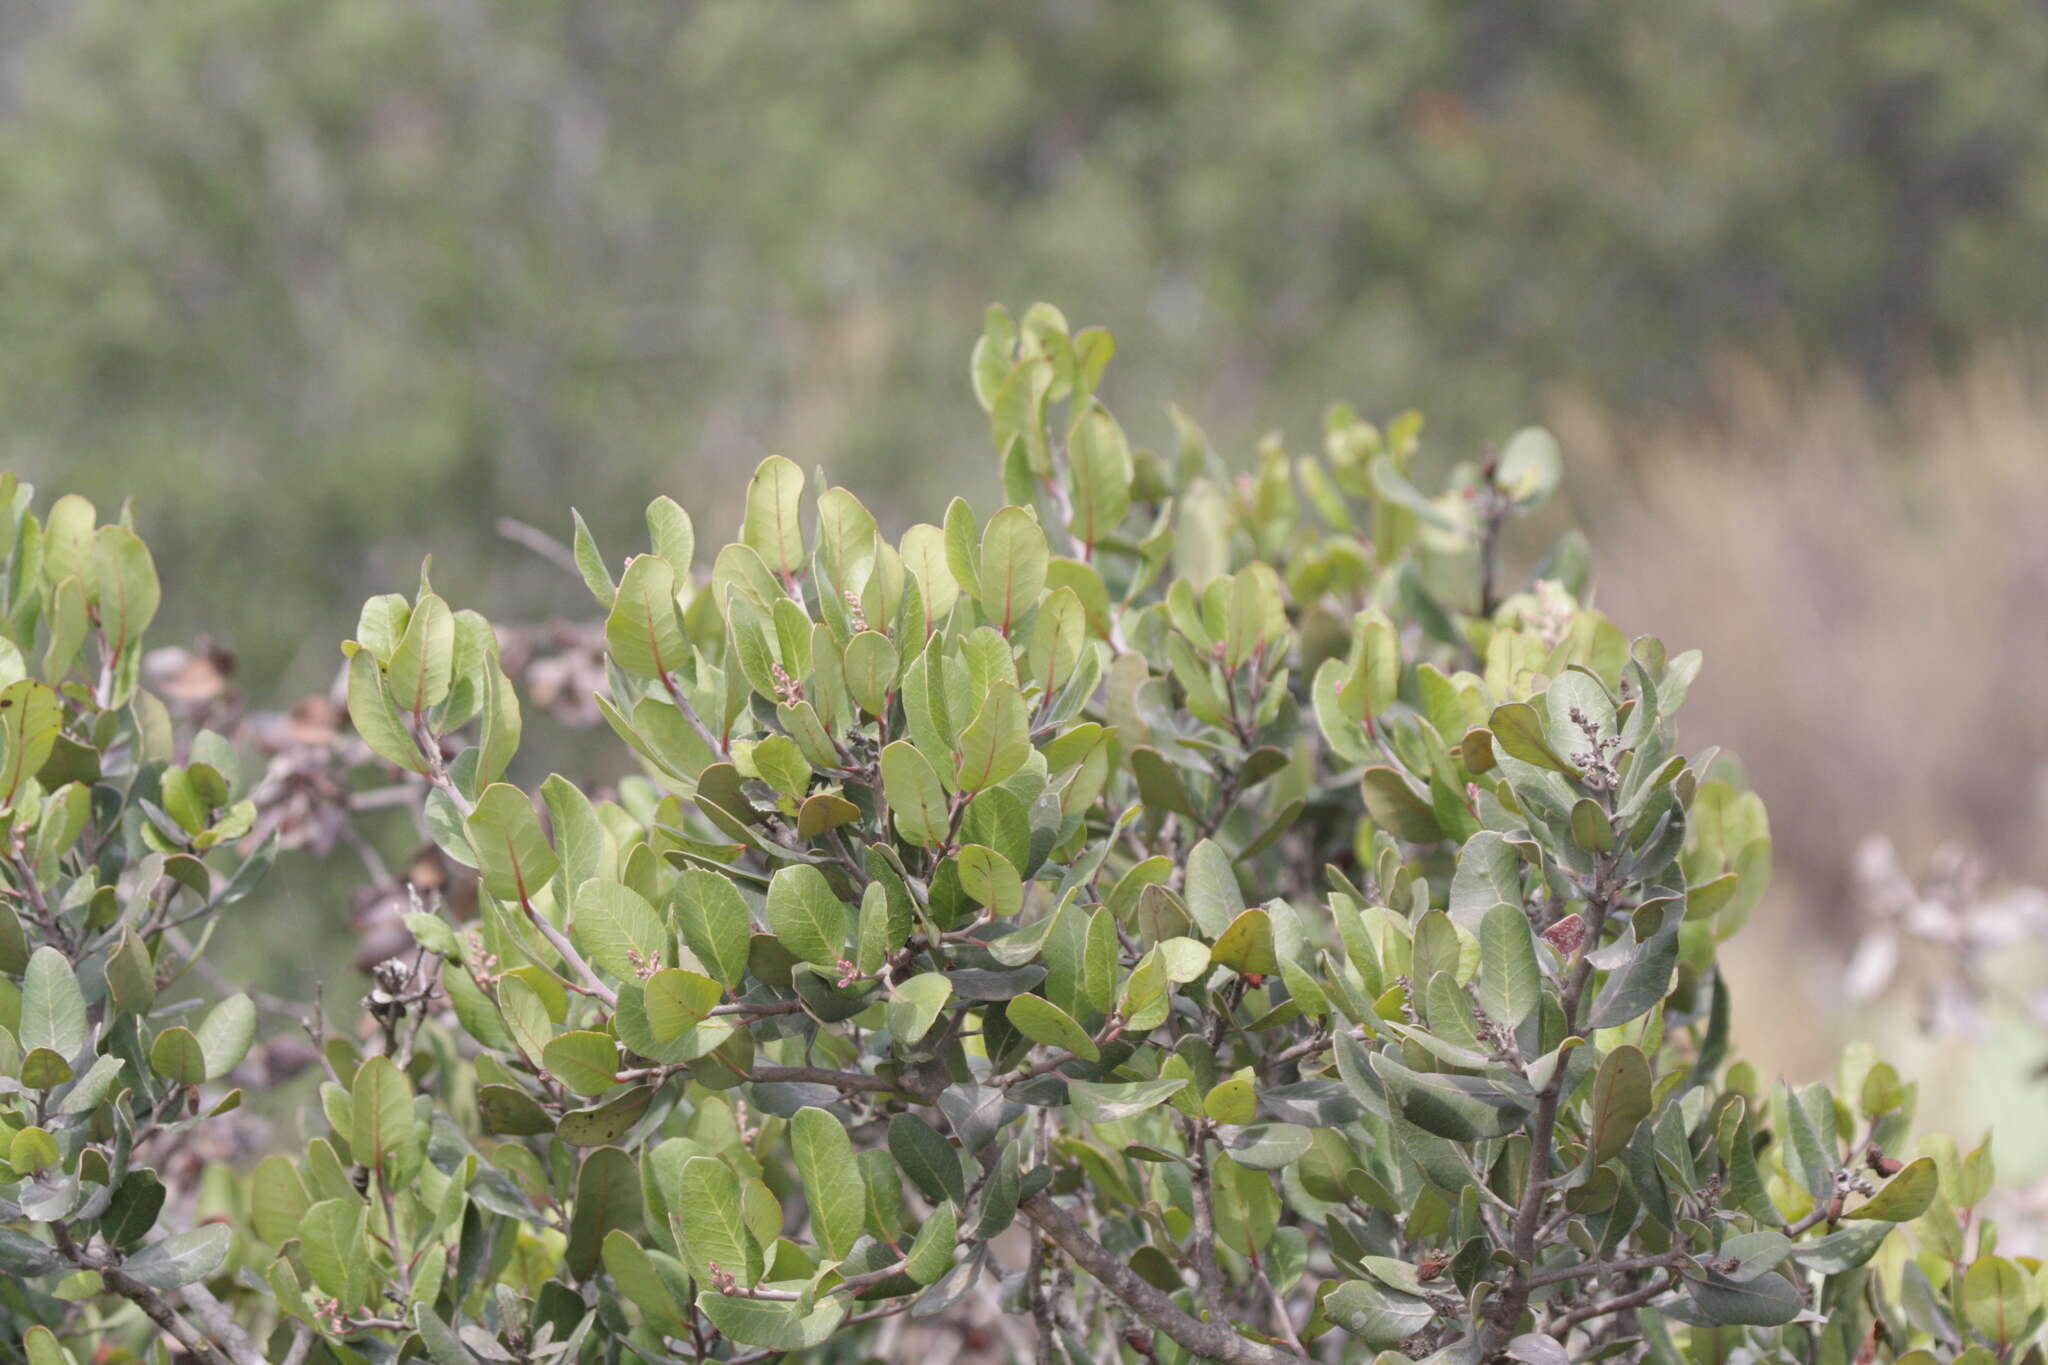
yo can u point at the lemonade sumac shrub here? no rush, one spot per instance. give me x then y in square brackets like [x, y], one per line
[1211, 916]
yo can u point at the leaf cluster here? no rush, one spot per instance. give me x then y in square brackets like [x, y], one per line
[1219, 891]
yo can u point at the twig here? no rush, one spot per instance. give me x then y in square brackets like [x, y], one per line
[1215, 1340]
[1622, 1304]
[538, 541]
[561, 944]
[153, 1305]
[213, 1315]
[1202, 1236]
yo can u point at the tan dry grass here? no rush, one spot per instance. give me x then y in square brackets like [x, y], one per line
[1868, 577]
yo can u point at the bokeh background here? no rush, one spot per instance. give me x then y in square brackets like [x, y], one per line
[327, 284]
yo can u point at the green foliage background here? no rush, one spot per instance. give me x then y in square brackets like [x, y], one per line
[326, 274]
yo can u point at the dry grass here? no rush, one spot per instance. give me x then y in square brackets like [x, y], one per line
[1868, 581]
[1868, 577]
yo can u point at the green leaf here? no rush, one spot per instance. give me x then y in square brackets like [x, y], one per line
[996, 742]
[43, 1348]
[1267, 1146]
[1995, 1299]
[1489, 874]
[772, 1325]
[126, 583]
[643, 634]
[714, 1224]
[1518, 731]
[423, 665]
[381, 1106]
[584, 1061]
[1530, 466]
[225, 1035]
[30, 719]
[376, 718]
[991, 879]
[833, 1186]
[130, 973]
[1213, 897]
[927, 1158]
[806, 917]
[1380, 1317]
[641, 1282]
[608, 1199]
[1621, 1100]
[277, 1200]
[1394, 807]
[671, 533]
[715, 923]
[52, 1006]
[1014, 560]
[183, 1259]
[677, 1000]
[607, 1122]
[1233, 1102]
[331, 1244]
[1099, 476]
[512, 854]
[43, 1069]
[1461, 1108]
[590, 564]
[914, 1006]
[1638, 985]
[871, 665]
[133, 1208]
[773, 527]
[1100, 1103]
[931, 1255]
[1769, 1300]
[614, 924]
[498, 704]
[1246, 944]
[67, 540]
[1510, 983]
[1038, 1019]
[442, 1345]
[1905, 1196]
[509, 1111]
[916, 798]
[176, 1055]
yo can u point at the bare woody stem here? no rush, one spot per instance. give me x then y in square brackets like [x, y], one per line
[1529, 1214]
[153, 1305]
[1210, 1340]
[569, 954]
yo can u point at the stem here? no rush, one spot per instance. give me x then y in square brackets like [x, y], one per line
[1622, 1304]
[153, 1305]
[569, 954]
[1529, 1216]
[1213, 1340]
[1574, 1272]
[1280, 1314]
[1202, 1236]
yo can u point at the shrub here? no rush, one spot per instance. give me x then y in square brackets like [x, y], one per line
[1215, 914]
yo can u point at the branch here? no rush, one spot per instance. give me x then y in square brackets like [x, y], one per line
[843, 1080]
[1507, 1310]
[153, 1305]
[540, 542]
[569, 954]
[1212, 1340]
[1622, 1304]
[1202, 1236]
[213, 1315]
[1575, 1272]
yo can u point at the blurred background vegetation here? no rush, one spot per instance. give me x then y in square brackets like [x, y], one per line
[327, 284]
